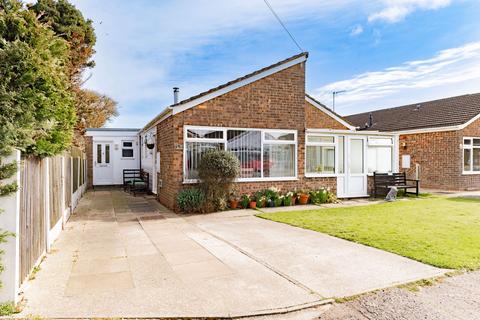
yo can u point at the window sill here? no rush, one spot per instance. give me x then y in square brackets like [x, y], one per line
[251, 180]
[318, 175]
[469, 173]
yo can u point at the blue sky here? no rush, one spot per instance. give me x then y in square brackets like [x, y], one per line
[384, 53]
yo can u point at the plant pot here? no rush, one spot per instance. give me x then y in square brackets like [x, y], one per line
[253, 204]
[294, 200]
[270, 203]
[150, 145]
[233, 204]
[303, 199]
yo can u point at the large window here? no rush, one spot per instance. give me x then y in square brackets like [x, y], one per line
[471, 155]
[380, 154]
[320, 155]
[263, 154]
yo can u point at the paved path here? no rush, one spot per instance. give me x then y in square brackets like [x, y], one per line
[122, 256]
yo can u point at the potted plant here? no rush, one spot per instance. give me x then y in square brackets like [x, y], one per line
[244, 201]
[253, 202]
[303, 197]
[279, 201]
[287, 199]
[294, 197]
[261, 202]
[233, 199]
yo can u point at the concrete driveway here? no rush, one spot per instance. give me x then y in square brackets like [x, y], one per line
[122, 256]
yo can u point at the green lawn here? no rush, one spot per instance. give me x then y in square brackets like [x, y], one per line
[443, 232]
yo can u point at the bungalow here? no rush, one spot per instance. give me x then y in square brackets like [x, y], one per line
[282, 137]
[439, 140]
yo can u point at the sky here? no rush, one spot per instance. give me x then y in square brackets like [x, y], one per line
[383, 53]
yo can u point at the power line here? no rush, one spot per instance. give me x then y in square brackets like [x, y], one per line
[281, 23]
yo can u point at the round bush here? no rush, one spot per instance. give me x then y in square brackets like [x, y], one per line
[217, 171]
[191, 200]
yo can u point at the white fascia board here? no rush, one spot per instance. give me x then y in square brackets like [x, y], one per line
[469, 122]
[111, 134]
[429, 130]
[239, 84]
[329, 113]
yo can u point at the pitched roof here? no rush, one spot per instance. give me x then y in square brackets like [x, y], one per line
[226, 87]
[447, 112]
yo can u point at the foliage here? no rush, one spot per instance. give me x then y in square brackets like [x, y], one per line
[217, 171]
[68, 23]
[244, 201]
[319, 196]
[8, 170]
[439, 231]
[8, 308]
[36, 109]
[6, 189]
[191, 200]
[93, 109]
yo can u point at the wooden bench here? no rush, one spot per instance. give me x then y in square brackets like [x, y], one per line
[129, 175]
[384, 181]
[141, 185]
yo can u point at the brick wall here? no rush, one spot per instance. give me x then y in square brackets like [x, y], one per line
[438, 155]
[89, 152]
[274, 102]
[316, 119]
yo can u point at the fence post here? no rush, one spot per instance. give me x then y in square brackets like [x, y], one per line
[10, 221]
[46, 175]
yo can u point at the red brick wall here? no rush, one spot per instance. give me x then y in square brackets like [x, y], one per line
[319, 120]
[274, 102]
[439, 157]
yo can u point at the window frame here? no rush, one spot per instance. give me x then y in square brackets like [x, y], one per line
[382, 145]
[129, 148]
[470, 147]
[224, 140]
[333, 144]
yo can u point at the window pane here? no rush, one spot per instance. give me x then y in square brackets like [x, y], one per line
[320, 159]
[322, 139]
[194, 153]
[467, 160]
[279, 160]
[467, 141]
[379, 159]
[204, 134]
[127, 144]
[341, 154]
[356, 156]
[247, 146]
[279, 136]
[99, 153]
[127, 153]
[476, 142]
[476, 159]
[107, 153]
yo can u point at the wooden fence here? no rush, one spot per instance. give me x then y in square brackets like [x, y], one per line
[50, 189]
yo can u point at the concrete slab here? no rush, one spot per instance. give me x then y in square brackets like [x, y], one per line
[111, 261]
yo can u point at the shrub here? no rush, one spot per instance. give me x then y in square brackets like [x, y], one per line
[244, 201]
[191, 200]
[217, 172]
[319, 196]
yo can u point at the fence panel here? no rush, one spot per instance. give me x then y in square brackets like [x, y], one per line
[32, 214]
[56, 181]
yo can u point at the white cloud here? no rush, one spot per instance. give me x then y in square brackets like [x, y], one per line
[357, 30]
[397, 10]
[450, 72]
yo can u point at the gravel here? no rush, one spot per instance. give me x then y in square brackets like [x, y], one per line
[451, 298]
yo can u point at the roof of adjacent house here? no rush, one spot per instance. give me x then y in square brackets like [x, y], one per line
[223, 88]
[111, 129]
[447, 112]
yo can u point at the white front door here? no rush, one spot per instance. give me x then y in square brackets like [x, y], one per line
[102, 163]
[352, 178]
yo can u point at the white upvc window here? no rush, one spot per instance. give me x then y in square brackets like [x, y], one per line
[380, 154]
[127, 150]
[320, 158]
[471, 155]
[264, 154]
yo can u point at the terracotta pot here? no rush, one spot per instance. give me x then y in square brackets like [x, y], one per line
[253, 204]
[294, 200]
[233, 204]
[303, 199]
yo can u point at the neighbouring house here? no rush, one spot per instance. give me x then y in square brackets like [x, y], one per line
[439, 140]
[109, 151]
[282, 137]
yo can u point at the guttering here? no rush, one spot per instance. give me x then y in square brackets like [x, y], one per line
[362, 132]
